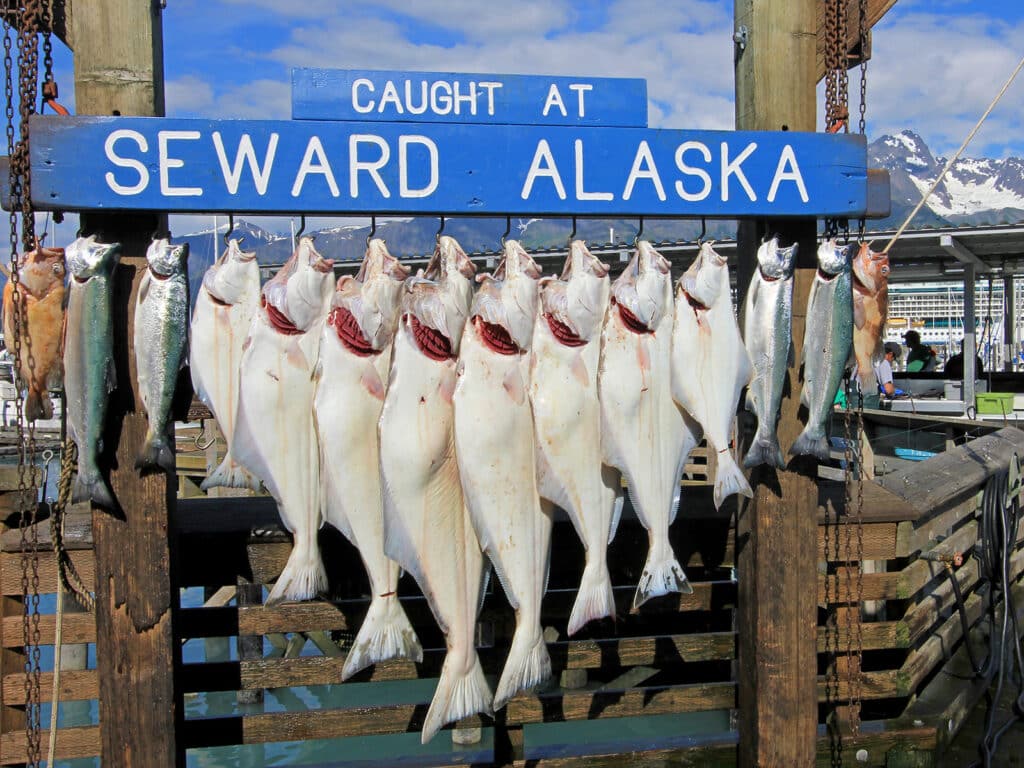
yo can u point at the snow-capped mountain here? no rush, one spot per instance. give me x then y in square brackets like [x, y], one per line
[975, 191]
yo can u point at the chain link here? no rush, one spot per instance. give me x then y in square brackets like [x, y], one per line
[862, 23]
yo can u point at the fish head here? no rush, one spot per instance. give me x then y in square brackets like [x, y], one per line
[166, 259]
[453, 271]
[41, 271]
[230, 277]
[639, 292]
[433, 317]
[374, 297]
[707, 279]
[870, 271]
[579, 298]
[775, 262]
[507, 301]
[300, 292]
[833, 258]
[87, 258]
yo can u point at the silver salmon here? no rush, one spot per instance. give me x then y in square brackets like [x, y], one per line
[768, 335]
[828, 342]
[161, 344]
[89, 375]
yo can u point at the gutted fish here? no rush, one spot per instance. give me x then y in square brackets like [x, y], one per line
[566, 352]
[355, 355]
[710, 365]
[426, 526]
[41, 293]
[89, 375]
[227, 300]
[768, 334]
[495, 446]
[828, 342]
[274, 434]
[161, 346]
[870, 311]
[644, 433]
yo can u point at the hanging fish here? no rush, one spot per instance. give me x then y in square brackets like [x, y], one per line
[227, 300]
[89, 375]
[274, 434]
[828, 342]
[355, 355]
[644, 433]
[161, 346]
[870, 311]
[710, 365]
[495, 445]
[768, 334]
[426, 526]
[565, 354]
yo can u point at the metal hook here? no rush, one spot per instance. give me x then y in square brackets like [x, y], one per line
[302, 226]
[508, 228]
[230, 229]
[703, 231]
[202, 430]
[639, 232]
[437, 237]
[373, 230]
[572, 235]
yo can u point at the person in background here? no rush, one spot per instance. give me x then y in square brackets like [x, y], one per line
[883, 369]
[884, 376]
[919, 357]
[954, 367]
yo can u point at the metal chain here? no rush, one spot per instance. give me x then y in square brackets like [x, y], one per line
[831, 46]
[20, 189]
[842, 75]
[862, 23]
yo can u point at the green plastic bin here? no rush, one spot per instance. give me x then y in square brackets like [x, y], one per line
[994, 402]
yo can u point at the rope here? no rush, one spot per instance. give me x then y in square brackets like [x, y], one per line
[955, 157]
[69, 576]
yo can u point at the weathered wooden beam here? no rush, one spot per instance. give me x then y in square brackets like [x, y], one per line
[136, 648]
[777, 531]
[876, 9]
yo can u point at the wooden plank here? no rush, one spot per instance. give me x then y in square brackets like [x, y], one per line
[879, 542]
[913, 536]
[72, 743]
[78, 628]
[628, 702]
[77, 532]
[75, 685]
[950, 475]
[875, 10]
[10, 570]
[880, 504]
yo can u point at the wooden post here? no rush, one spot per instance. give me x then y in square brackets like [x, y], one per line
[119, 70]
[777, 529]
[1009, 322]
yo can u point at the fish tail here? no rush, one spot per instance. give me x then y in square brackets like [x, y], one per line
[230, 474]
[385, 634]
[662, 574]
[156, 453]
[528, 664]
[765, 450]
[811, 443]
[303, 576]
[457, 695]
[92, 487]
[38, 405]
[595, 599]
[729, 479]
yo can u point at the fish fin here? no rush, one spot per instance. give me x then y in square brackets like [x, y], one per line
[485, 582]
[620, 502]
[811, 444]
[156, 453]
[92, 489]
[729, 479]
[660, 577]
[303, 577]
[457, 696]
[230, 474]
[595, 598]
[528, 664]
[765, 450]
[859, 315]
[385, 634]
[677, 498]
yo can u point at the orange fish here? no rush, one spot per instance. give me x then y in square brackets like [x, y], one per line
[870, 310]
[42, 292]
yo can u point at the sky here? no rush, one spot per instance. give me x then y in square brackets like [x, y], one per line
[936, 63]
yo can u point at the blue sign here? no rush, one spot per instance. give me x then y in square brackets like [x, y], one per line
[449, 97]
[342, 168]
